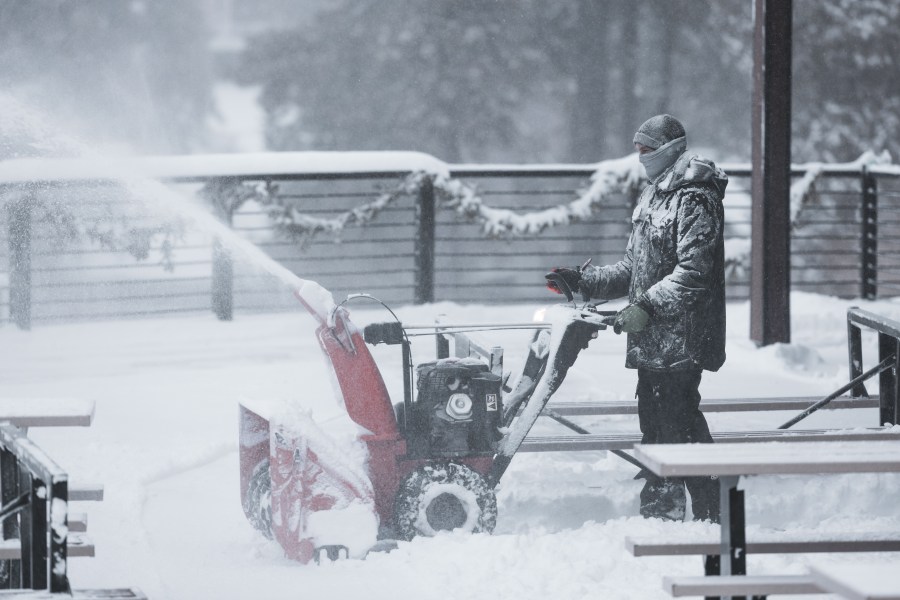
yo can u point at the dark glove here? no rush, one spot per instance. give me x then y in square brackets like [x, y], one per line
[571, 276]
[631, 319]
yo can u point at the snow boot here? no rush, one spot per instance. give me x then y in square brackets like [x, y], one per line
[663, 499]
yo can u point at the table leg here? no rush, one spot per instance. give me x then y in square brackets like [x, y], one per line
[733, 546]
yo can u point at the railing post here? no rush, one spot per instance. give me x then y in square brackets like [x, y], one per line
[425, 242]
[10, 570]
[40, 560]
[20, 261]
[26, 531]
[854, 351]
[222, 269]
[59, 537]
[222, 282]
[869, 250]
[888, 381]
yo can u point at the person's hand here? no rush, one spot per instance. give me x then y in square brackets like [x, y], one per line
[572, 277]
[631, 319]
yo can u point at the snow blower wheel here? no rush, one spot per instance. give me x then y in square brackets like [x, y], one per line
[259, 500]
[444, 498]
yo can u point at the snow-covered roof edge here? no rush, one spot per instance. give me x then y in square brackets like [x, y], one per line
[261, 164]
[268, 164]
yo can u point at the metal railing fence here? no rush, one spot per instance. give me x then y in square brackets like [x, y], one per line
[845, 242]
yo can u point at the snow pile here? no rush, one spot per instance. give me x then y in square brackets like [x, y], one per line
[164, 444]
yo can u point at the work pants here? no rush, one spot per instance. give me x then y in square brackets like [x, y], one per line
[669, 413]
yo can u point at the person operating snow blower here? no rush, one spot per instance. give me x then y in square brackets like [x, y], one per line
[673, 273]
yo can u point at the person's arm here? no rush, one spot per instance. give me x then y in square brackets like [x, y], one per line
[611, 281]
[700, 222]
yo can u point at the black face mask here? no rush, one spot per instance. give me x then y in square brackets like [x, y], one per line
[662, 158]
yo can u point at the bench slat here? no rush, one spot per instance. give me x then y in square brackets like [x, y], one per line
[625, 441]
[741, 585]
[77, 522]
[92, 492]
[97, 594]
[629, 407]
[110, 594]
[78, 545]
[47, 412]
[860, 542]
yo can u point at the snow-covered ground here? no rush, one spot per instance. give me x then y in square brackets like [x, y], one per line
[164, 443]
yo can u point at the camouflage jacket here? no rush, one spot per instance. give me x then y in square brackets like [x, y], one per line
[674, 268]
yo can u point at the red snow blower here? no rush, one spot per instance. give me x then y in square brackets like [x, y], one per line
[434, 458]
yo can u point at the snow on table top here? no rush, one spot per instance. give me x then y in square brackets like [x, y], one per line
[770, 458]
[35, 412]
[216, 165]
[860, 581]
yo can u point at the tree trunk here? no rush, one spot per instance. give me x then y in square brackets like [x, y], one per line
[590, 110]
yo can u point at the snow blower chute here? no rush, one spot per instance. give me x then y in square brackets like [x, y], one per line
[433, 459]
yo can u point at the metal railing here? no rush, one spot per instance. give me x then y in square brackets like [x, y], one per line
[845, 243]
[35, 496]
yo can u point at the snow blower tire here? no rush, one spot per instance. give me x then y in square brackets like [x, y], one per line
[259, 500]
[444, 497]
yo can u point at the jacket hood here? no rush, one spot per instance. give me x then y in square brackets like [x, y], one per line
[693, 169]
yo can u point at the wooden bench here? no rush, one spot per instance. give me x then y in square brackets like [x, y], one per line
[24, 413]
[629, 407]
[77, 545]
[96, 594]
[741, 585]
[770, 544]
[92, 492]
[625, 441]
[47, 412]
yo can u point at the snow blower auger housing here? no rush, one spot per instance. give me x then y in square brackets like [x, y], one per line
[435, 458]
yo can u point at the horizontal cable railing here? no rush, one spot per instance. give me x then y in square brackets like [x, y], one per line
[843, 239]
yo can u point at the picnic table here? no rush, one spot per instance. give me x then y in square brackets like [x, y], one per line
[730, 462]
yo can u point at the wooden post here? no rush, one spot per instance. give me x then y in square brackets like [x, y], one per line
[425, 242]
[869, 250]
[222, 284]
[770, 278]
[20, 261]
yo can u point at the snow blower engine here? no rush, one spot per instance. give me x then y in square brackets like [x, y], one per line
[458, 407]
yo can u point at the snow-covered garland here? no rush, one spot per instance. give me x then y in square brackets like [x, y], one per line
[803, 194]
[612, 177]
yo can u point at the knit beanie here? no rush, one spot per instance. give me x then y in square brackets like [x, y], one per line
[658, 131]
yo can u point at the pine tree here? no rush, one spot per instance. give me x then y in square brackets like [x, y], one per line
[444, 77]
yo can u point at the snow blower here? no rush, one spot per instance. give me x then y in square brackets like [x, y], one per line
[434, 459]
